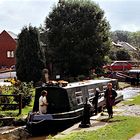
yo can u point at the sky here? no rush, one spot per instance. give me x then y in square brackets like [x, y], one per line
[15, 14]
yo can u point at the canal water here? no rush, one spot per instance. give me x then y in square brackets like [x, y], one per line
[11, 74]
[130, 92]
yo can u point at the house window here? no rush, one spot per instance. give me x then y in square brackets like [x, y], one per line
[10, 54]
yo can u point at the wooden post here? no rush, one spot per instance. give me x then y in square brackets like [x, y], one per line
[20, 104]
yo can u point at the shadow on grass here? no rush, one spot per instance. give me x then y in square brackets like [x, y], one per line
[111, 120]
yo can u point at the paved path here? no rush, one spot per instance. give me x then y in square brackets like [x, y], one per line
[136, 137]
[95, 124]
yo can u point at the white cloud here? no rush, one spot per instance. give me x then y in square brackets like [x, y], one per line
[131, 27]
[15, 14]
[122, 14]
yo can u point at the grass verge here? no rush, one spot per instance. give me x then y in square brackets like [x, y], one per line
[119, 128]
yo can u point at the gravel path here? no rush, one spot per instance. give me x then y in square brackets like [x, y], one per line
[136, 137]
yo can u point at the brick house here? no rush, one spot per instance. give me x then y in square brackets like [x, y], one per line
[7, 49]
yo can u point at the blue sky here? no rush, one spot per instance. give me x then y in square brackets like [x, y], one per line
[15, 14]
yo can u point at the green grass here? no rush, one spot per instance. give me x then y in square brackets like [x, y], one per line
[135, 100]
[119, 128]
[29, 108]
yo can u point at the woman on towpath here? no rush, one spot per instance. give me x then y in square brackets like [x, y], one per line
[110, 95]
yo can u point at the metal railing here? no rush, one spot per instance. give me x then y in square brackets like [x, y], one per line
[12, 104]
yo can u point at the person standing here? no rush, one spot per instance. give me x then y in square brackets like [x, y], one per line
[43, 102]
[95, 101]
[110, 95]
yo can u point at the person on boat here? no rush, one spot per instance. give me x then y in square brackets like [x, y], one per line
[43, 102]
[95, 101]
[110, 95]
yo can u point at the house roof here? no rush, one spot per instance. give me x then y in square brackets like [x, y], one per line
[13, 35]
[117, 45]
[130, 46]
[124, 44]
[127, 44]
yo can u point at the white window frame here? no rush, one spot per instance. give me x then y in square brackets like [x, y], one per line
[10, 54]
[79, 97]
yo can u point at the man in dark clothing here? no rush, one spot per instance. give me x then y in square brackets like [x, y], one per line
[95, 101]
[110, 95]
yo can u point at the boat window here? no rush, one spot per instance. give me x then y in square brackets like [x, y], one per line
[91, 92]
[79, 97]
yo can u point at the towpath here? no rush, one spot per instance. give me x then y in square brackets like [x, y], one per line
[120, 109]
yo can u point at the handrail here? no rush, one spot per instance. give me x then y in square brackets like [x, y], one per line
[14, 95]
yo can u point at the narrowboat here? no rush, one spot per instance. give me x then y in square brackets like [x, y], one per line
[66, 104]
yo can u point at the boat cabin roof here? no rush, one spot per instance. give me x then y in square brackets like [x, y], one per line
[86, 82]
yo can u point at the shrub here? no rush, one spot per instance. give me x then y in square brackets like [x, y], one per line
[25, 89]
[81, 77]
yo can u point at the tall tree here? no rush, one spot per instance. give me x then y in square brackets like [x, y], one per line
[29, 57]
[120, 36]
[77, 36]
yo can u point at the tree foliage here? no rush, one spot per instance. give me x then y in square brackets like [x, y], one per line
[120, 36]
[131, 37]
[77, 37]
[29, 57]
[119, 54]
[122, 55]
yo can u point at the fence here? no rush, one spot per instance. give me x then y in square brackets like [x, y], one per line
[19, 104]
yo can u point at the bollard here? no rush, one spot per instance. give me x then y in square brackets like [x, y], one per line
[86, 116]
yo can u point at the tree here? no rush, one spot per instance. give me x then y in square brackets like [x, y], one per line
[77, 37]
[120, 36]
[122, 55]
[29, 56]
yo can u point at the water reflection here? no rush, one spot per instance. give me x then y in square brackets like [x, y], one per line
[130, 92]
[7, 75]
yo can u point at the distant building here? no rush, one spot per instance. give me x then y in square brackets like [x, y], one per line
[124, 45]
[117, 45]
[127, 46]
[7, 49]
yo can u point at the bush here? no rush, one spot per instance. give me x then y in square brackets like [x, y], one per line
[81, 77]
[26, 90]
